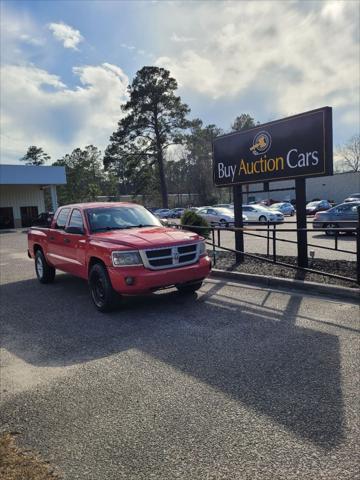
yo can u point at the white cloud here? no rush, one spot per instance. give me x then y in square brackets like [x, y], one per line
[298, 55]
[181, 39]
[66, 34]
[38, 109]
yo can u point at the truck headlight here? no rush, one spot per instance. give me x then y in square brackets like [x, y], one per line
[124, 259]
[202, 249]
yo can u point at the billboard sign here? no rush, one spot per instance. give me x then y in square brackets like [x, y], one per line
[297, 146]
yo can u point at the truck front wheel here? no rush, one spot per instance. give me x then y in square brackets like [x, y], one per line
[189, 287]
[102, 293]
[44, 272]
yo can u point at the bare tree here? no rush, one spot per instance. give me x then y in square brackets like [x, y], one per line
[350, 153]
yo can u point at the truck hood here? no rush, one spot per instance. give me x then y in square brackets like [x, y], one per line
[142, 238]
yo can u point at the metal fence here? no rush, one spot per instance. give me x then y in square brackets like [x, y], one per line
[269, 232]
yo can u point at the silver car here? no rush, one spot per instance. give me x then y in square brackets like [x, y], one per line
[284, 207]
[344, 215]
[222, 216]
[257, 213]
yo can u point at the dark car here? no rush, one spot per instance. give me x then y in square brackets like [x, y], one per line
[176, 212]
[43, 220]
[344, 215]
[317, 206]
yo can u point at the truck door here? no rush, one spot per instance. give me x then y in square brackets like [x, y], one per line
[74, 247]
[56, 250]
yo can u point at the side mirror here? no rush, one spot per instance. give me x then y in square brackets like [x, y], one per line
[74, 230]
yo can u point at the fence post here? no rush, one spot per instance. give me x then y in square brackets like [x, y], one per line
[213, 245]
[274, 243]
[268, 240]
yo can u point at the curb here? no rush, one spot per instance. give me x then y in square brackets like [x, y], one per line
[312, 287]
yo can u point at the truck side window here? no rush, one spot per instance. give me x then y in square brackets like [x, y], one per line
[61, 218]
[76, 219]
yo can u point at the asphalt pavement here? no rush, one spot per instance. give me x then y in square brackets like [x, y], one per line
[236, 382]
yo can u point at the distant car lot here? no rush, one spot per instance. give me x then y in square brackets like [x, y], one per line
[234, 379]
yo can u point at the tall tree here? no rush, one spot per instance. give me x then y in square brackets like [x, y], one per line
[35, 156]
[85, 176]
[349, 155]
[243, 122]
[155, 119]
[199, 156]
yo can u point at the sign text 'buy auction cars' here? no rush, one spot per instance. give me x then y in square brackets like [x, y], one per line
[298, 146]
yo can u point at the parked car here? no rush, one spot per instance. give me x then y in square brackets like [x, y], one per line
[222, 216]
[284, 207]
[258, 213]
[43, 219]
[344, 215]
[120, 249]
[176, 212]
[317, 206]
[354, 197]
[163, 213]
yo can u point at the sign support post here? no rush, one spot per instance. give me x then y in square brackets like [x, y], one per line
[238, 214]
[300, 191]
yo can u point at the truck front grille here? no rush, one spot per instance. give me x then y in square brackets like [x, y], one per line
[177, 256]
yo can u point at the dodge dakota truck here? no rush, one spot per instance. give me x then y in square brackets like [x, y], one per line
[120, 249]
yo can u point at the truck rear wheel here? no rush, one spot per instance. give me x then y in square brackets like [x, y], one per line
[102, 293]
[44, 272]
[189, 287]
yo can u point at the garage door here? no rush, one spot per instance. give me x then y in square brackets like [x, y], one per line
[6, 217]
[28, 215]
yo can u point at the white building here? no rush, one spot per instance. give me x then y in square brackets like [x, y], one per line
[334, 188]
[22, 190]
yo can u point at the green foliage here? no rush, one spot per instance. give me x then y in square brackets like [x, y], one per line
[191, 221]
[86, 179]
[35, 156]
[155, 119]
[243, 122]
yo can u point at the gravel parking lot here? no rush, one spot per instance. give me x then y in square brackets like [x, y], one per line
[236, 382]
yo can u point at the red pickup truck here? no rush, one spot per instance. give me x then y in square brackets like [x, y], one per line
[120, 248]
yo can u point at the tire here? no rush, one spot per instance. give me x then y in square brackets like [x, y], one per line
[292, 214]
[262, 218]
[223, 223]
[328, 232]
[187, 288]
[102, 294]
[44, 272]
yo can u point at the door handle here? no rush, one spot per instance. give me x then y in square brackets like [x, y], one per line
[66, 240]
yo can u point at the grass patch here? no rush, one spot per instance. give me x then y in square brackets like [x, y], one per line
[19, 464]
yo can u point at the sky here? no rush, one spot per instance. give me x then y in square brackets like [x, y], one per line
[66, 65]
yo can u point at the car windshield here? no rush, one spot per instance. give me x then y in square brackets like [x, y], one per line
[117, 218]
[313, 204]
[274, 206]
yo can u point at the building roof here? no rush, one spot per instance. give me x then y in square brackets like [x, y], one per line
[31, 175]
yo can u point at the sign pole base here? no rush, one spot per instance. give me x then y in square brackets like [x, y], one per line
[239, 234]
[300, 188]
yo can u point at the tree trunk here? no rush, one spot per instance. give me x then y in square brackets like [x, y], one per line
[163, 186]
[160, 160]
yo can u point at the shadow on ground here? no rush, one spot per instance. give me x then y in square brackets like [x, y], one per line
[255, 354]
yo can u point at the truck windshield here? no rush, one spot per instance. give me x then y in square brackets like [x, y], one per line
[118, 218]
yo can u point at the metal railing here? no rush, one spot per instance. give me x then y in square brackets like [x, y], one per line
[271, 230]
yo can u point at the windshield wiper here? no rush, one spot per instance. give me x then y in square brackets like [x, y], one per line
[106, 229]
[141, 225]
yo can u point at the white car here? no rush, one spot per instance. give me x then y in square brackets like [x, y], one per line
[223, 216]
[257, 213]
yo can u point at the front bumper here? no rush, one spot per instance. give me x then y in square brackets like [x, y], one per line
[145, 280]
